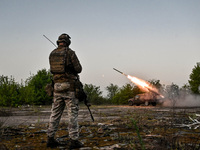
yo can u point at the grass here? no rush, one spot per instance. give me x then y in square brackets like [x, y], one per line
[138, 134]
[139, 128]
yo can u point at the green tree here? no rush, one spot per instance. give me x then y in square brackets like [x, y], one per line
[94, 94]
[194, 81]
[9, 91]
[112, 90]
[125, 93]
[37, 83]
[156, 84]
[27, 93]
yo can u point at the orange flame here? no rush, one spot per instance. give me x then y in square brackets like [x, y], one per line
[138, 82]
[144, 84]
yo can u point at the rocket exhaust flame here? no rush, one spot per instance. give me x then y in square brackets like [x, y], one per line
[138, 81]
[141, 83]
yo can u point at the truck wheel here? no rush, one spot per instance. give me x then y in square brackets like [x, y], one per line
[130, 103]
[154, 104]
[146, 103]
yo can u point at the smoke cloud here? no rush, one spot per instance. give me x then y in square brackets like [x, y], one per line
[186, 101]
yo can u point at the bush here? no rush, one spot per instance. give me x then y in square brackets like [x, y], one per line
[31, 92]
[9, 91]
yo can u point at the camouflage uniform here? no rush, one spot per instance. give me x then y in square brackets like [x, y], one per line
[64, 95]
[60, 100]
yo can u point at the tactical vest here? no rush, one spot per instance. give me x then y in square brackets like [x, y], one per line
[58, 60]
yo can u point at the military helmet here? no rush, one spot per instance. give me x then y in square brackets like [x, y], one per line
[64, 38]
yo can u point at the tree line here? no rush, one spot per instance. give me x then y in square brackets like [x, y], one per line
[32, 90]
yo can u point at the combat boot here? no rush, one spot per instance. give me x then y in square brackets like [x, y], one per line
[75, 144]
[52, 143]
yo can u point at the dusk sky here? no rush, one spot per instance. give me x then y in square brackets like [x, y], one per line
[149, 39]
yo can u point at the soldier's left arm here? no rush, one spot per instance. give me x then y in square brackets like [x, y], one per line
[76, 63]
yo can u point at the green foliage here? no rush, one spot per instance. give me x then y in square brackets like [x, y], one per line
[120, 96]
[194, 81]
[138, 134]
[94, 94]
[27, 94]
[112, 90]
[31, 92]
[37, 83]
[156, 84]
[9, 91]
[125, 93]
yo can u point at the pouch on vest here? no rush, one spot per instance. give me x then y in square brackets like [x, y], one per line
[61, 87]
[57, 61]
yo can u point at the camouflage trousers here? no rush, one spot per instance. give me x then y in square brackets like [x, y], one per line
[60, 100]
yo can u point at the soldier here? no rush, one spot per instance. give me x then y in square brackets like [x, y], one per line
[65, 67]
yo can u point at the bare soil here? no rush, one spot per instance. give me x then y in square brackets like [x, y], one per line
[115, 127]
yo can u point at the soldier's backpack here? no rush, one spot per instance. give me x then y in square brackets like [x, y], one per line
[58, 60]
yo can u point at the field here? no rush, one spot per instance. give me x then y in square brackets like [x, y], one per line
[115, 127]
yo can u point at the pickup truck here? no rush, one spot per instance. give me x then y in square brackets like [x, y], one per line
[145, 98]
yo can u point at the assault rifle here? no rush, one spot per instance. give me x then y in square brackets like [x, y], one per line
[88, 107]
[83, 97]
[49, 89]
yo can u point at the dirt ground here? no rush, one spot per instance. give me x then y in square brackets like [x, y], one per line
[115, 127]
